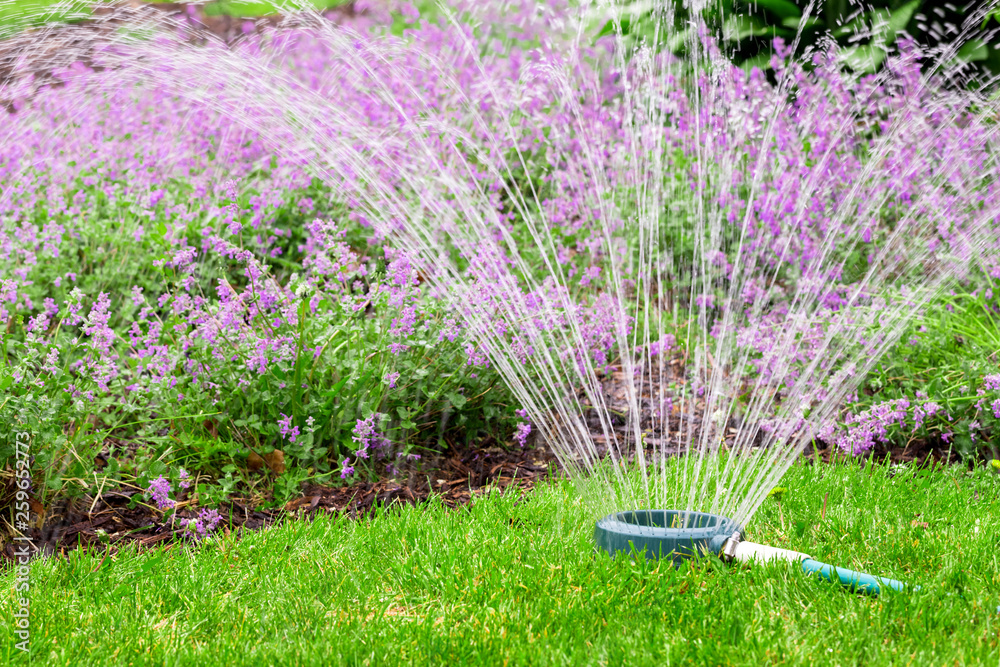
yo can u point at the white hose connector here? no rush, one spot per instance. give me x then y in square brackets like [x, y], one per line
[761, 553]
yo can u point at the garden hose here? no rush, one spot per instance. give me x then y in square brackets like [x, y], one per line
[735, 549]
[682, 534]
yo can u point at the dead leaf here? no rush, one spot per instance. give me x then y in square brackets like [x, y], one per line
[275, 461]
[254, 461]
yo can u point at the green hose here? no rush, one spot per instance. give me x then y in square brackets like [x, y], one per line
[855, 581]
[860, 582]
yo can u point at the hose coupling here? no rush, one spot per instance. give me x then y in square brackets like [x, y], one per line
[728, 553]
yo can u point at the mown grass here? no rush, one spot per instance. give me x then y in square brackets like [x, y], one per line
[260, 8]
[16, 15]
[517, 581]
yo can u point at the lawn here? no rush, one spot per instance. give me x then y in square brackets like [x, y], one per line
[16, 14]
[516, 580]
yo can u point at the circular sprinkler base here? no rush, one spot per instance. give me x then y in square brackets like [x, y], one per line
[674, 534]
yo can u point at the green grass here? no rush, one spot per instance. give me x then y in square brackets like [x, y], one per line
[503, 582]
[16, 15]
[257, 8]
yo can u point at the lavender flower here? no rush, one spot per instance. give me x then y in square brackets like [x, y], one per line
[872, 424]
[288, 431]
[160, 490]
[203, 525]
[521, 436]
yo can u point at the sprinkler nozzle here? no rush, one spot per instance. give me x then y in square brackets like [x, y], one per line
[728, 552]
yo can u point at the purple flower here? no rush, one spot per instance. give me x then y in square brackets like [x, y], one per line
[403, 326]
[288, 431]
[662, 346]
[202, 526]
[160, 489]
[185, 482]
[475, 356]
[521, 436]
[346, 470]
[872, 424]
[391, 379]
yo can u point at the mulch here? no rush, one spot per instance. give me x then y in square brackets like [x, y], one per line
[106, 523]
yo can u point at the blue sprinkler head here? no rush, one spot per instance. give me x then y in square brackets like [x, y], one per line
[674, 534]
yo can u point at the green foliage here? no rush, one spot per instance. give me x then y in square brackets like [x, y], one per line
[865, 34]
[337, 374]
[944, 357]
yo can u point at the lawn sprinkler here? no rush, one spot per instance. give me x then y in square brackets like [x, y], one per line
[680, 534]
[674, 534]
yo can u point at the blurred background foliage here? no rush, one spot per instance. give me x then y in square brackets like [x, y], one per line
[947, 33]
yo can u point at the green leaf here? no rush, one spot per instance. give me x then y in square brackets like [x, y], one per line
[457, 400]
[761, 61]
[783, 9]
[864, 59]
[679, 39]
[901, 16]
[738, 28]
[337, 387]
[609, 27]
[972, 51]
[799, 25]
[862, 23]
